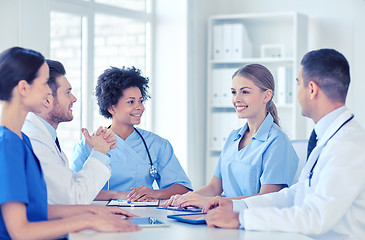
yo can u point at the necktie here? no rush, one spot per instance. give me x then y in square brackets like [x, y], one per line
[311, 143]
[58, 144]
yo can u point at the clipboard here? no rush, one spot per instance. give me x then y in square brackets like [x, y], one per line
[125, 203]
[192, 218]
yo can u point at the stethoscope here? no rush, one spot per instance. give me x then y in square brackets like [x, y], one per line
[310, 174]
[153, 169]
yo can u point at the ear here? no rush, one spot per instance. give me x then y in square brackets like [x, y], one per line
[313, 89]
[48, 102]
[267, 95]
[111, 110]
[23, 87]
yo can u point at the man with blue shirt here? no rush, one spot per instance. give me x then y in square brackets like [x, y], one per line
[328, 202]
[63, 185]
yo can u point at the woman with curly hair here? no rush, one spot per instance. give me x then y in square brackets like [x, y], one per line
[141, 157]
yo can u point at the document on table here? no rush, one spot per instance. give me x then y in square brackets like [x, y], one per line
[125, 203]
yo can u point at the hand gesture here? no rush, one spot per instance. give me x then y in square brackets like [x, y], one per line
[102, 140]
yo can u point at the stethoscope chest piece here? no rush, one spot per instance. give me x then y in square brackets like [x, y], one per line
[153, 172]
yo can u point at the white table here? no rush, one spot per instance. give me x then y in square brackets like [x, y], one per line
[178, 230]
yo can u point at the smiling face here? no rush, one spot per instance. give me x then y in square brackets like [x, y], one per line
[39, 90]
[62, 103]
[248, 99]
[129, 109]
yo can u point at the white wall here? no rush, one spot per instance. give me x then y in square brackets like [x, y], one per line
[169, 87]
[24, 23]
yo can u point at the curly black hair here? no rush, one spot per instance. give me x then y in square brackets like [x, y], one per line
[113, 81]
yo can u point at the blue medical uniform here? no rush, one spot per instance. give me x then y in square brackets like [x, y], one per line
[21, 178]
[130, 163]
[269, 159]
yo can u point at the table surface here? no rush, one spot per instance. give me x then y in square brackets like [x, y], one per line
[178, 230]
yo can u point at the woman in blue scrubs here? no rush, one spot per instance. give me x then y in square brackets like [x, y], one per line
[257, 158]
[141, 157]
[24, 212]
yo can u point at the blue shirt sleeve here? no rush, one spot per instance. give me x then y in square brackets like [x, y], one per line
[13, 183]
[79, 156]
[105, 159]
[279, 154]
[169, 168]
[217, 171]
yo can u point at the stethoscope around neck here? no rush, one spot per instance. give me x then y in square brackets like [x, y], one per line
[153, 170]
[310, 174]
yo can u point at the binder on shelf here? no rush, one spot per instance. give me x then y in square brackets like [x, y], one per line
[289, 85]
[216, 86]
[225, 87]
[241, 44]
[237, 41]
[218, 41]
[215, 136]
[227, 41]
[281, 85]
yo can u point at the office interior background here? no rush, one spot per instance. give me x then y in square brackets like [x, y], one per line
[168, 40]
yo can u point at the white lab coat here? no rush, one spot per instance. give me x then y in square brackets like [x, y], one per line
[334, 206]
[63, 185]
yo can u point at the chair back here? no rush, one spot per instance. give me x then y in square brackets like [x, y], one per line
[300, 147]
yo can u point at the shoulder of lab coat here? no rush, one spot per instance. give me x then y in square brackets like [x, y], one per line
[63, 185]
[336, 199]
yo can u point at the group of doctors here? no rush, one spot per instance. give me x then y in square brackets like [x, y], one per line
[122, 162]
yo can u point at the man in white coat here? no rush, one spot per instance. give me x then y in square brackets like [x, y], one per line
[63, 185]
[328, 201]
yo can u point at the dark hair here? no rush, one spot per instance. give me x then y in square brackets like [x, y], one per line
[263, 79]
[330, 70]
[56, 69]
[18, 64]
[113, 81]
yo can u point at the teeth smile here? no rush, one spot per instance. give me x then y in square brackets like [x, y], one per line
[241, 108]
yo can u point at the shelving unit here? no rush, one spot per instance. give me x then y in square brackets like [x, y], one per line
[230, 46]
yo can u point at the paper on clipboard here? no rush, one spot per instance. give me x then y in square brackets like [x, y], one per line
[125, 203]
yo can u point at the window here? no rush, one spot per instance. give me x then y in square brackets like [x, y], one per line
[66, 45]
[88, 37]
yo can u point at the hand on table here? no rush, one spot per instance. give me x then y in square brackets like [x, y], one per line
[222, 218]
[141, 194]
[111, 223]
[189, 199]
[102, 210]
[221, 202]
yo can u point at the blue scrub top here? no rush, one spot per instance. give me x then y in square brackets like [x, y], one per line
[21, 178]
[130, 163]
[269, 159]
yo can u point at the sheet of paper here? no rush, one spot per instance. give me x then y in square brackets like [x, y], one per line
[125, 203]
